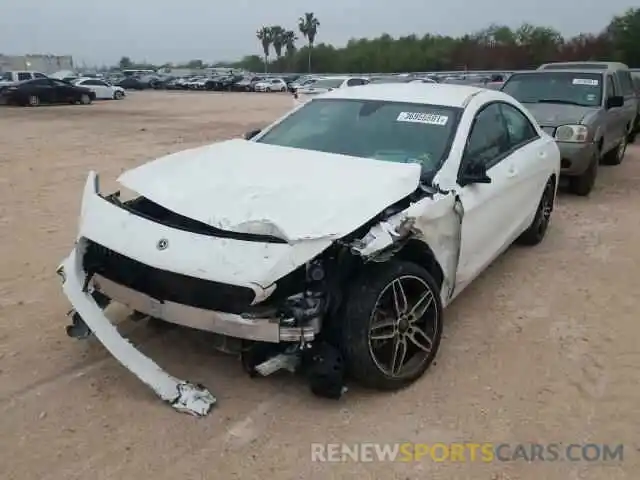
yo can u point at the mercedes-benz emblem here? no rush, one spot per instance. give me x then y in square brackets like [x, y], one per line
[163, 243]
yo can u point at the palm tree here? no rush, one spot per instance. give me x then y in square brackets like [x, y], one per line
[308, 26]
[277, 38]
[266, 39]
[289, 38]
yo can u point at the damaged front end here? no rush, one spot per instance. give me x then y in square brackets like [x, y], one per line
[289, 324]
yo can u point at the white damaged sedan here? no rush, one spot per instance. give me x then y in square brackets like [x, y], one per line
[329, 242]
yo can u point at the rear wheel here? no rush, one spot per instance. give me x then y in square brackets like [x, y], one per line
[634, 130]
[538, 228]
[33, 100]
[392, 325]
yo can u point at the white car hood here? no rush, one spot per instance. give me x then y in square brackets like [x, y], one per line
[294, 194]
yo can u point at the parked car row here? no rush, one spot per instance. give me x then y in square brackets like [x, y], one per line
[44, 90]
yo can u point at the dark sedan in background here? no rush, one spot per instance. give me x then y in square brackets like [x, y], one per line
[45, 90]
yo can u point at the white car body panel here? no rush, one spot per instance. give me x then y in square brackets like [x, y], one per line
[248, 187]
[103, 92]
[310, 199]
[271, 85]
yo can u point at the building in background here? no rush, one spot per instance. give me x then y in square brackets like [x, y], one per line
[40, 63]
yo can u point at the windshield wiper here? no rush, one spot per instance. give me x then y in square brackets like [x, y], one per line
[558, 100]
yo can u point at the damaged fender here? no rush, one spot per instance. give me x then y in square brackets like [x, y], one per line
[437, 221]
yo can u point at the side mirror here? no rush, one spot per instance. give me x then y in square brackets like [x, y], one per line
[615, 101]
[249, 135]
[473, 173]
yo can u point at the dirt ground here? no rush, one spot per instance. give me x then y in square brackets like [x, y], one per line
[542, 348]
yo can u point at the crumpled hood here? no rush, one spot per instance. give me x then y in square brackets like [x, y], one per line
[557, 114]
[294, 194]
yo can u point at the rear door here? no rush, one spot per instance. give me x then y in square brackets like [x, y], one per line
[630, 100]
[42, 88]
[527, 167]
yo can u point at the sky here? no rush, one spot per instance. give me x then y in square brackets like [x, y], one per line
[100, 32]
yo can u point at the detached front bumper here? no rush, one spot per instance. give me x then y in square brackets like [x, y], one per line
[181, 395]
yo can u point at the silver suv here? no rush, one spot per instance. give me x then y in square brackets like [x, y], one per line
[585, 111]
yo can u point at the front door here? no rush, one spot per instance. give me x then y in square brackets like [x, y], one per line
[490, 223]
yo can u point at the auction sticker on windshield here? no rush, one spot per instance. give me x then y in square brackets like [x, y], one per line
[585, 81]
[427, 118]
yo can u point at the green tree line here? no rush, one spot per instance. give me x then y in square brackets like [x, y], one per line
[494, 48]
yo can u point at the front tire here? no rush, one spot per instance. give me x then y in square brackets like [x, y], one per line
[118, 95]
[538, 228]
[583, 184]
[85, 99]
[392, 325]
[615, 156]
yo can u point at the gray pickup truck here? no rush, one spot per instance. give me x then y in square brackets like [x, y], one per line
[585, 110]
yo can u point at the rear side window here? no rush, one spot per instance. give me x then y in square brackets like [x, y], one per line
[611, 87]
[626, 84]
[24, 76]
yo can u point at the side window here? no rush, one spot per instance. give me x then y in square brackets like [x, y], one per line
[488, 139]
[625, 82]
[352, 82]
[24, 76]
[93, 83]
[611, 87]
[518, 126]
[41, 82]
[39, 75]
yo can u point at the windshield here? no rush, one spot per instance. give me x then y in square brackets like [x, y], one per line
[584, 89]
[328, 83]
[389, 131]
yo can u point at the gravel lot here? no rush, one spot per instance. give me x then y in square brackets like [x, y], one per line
[542, 348]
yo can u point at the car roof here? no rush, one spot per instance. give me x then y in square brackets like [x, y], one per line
[426, 93]
[602, 66]
[591, 71]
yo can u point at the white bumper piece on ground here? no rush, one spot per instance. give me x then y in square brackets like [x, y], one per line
[181, 395]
